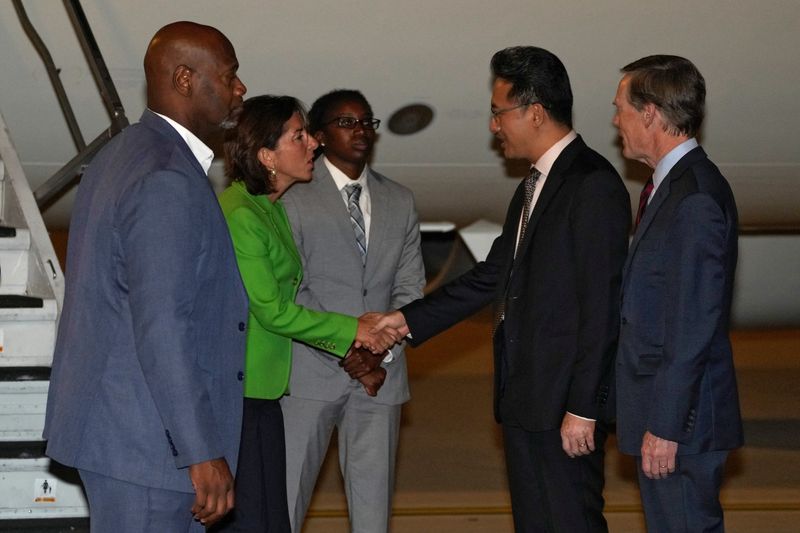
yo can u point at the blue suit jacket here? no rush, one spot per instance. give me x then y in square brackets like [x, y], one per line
[675, 373]
[146, 373]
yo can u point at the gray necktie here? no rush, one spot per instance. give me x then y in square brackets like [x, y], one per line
[353, 191]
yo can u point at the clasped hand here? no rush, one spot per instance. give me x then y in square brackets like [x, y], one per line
[376, 333]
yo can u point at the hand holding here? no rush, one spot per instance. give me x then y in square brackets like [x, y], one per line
[658, 456]
[395, 320]
[360, 361]
[373, 336]
[213, 487]
[577, 435]
[373, 381]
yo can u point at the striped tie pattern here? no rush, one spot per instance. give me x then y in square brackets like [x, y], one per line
[353, 191]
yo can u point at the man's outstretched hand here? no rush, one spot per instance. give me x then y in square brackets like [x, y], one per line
[375, 334]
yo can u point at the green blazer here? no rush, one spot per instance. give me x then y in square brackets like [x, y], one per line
[271, 271]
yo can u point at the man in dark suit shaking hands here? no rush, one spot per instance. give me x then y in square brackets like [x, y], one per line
[678, 406]
[554, 274]
[145, 393]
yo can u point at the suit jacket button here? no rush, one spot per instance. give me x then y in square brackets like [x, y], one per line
[624, 320]
[365, 292]
[241, 326]
[240, 375]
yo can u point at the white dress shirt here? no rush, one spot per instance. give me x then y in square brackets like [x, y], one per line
[544, 165]
[202, 153]
[342, 180]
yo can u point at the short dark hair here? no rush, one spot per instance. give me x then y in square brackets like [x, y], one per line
[318, 114]
[536, 75]
[261, 124]
[674, 85]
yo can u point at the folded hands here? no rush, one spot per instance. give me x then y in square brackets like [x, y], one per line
[376, 333]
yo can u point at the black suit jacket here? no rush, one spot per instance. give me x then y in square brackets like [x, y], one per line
[561, 300]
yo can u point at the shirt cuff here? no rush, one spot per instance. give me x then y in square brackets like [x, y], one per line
[582, 417]
[389, 357]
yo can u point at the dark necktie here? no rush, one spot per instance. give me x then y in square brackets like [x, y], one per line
[353, 191]
[646, 191]
[530, 188]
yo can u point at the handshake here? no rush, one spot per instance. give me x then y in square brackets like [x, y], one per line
[376, 333]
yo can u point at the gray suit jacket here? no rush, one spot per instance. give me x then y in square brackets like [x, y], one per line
[334, 278]
[146, 376]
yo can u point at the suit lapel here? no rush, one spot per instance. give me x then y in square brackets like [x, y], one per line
[330, 199]
[378, 223]
[275, 217]
[554, 181]
[660, 197]
[155, 122]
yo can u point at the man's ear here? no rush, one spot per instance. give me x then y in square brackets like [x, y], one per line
[649, 112]
[182, 80]
[537, 114]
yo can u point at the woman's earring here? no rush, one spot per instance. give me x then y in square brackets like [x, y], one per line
[271, 173]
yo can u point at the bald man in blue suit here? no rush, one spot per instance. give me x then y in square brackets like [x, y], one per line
[145, 393]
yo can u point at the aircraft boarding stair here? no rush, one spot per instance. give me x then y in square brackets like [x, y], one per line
[31, 297]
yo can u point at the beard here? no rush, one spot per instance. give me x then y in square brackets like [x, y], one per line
[232, 120]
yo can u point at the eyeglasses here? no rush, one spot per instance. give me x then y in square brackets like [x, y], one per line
[497, 112]
[351, 122]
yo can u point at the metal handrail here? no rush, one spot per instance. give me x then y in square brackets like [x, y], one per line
[69, 173]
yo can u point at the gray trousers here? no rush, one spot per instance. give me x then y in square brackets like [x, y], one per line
[367, 438]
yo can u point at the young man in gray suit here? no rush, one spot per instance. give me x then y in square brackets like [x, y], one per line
[145, 393]
[358, 236]
[677, 401]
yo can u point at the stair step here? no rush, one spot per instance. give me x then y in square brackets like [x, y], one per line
[14, 261]
[22, 409]
[39, 488]
[27, 334]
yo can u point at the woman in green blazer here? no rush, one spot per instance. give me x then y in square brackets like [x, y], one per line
[268, 152]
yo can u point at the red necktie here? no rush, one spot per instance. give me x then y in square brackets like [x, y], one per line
[648, 188]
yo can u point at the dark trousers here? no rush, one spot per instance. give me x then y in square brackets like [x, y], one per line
[687, 501]
[261, 475]
[551, 493]
[124, 507]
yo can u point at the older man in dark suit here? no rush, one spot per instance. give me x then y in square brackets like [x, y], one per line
[145, 393]
[678, 406]
[554, 273]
